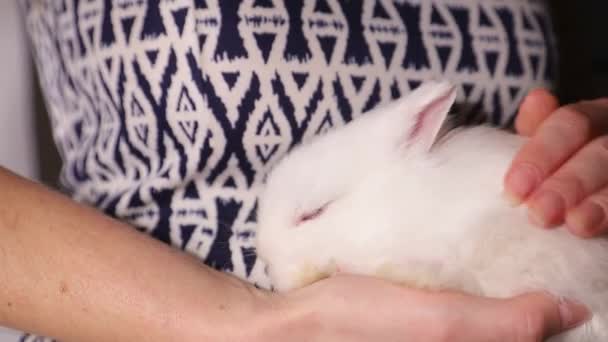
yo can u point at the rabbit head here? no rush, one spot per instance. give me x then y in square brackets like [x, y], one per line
[306, 206]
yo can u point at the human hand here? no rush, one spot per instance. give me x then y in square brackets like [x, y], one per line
[354, 308]
[561, 173]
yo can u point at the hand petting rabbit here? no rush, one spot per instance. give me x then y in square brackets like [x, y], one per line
[560, 173]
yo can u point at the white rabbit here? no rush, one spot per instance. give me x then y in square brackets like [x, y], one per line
[388, 195]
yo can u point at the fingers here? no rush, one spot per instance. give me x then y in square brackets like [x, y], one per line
[589, 218]
[582, 175]
[422, 315]
[555, 141]
[535, 108]
[537, 316]
[530, 317]
[557, 138]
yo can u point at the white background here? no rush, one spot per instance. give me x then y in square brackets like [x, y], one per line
[17, 131]
[17, 143]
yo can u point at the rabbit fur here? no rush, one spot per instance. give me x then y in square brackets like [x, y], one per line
[390, 195]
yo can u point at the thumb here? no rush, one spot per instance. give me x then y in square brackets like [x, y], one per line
[534, 109]
[538, 316]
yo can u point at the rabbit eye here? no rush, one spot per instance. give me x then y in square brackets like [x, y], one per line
[311, 215]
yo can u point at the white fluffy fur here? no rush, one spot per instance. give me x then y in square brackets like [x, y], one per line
[434, 219]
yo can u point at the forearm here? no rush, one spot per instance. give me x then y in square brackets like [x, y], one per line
[70, 272]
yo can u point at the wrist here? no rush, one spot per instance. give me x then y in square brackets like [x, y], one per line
[231, 310]
[283, 316]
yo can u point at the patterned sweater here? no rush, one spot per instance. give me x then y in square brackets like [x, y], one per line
[169, 113]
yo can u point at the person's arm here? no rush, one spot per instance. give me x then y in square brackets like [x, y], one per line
[68, 271]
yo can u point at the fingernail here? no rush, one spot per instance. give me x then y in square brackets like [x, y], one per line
[511, 199]
[546, 209]
[589, 217]
[520, 183]
[572, 313]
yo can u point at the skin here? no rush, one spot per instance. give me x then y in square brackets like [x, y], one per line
[338, 309]
[70, 272]
[560, 174]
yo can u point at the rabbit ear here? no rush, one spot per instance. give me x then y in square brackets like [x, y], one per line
[433, 102]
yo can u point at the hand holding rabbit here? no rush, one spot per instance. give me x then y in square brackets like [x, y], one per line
[397, 195]
[561, 172]
[364, 309]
